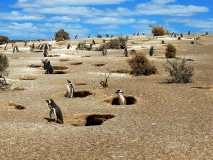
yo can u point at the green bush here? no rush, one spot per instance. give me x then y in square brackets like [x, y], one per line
[61, 35]
[3, 40]
[117, 43]
[158, 31]
[178, 71]
[4, 63]
[170, 51]
[141, 65]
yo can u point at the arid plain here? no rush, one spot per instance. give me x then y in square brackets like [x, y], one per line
[164, 122]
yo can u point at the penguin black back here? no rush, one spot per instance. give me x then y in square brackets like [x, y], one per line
[56, 110]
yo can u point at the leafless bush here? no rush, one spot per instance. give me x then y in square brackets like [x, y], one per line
[178, 71]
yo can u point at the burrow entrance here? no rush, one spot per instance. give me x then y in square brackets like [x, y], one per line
[80, 83]
[130, 100]
[35, 66]
[11, 106]
[76, 63]
[203, 87]
[59, 72]
[84, 120]
[99, 64]
[59, 69]
[97, 119]
[17, 106]
[82, 94]
[121, 71]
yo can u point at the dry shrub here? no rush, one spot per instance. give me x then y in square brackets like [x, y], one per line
[178, 71]
[4, 63]
[170, 51]
[115, 43]
[141, 65]
[158, 31]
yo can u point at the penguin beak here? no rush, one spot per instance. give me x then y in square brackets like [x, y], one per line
[47, 101]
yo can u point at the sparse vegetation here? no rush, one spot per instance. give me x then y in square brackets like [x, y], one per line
[170, 51]
[104, 83]
[116, 43]
[159, 31]
[178, 71]
[3, 40]
[61, 35]
[141, 65]
[4, 63]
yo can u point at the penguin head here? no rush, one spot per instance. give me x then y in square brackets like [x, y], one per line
[49, 101]
[119, 91]
[69, 81]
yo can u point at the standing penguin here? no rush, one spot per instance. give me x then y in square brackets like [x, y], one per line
[121, 98]
[54, 109]
[70, 89]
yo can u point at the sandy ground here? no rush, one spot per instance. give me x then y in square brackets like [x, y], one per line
[165, 121]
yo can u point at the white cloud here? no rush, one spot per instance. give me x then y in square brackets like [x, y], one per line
[109, 20]
[195, 23]
[37, 31]
[15, 15]
[162, 1]
[64, 19]
[39, 3]
[66, 10]
[161, 8]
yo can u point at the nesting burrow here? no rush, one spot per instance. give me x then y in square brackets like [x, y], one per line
[86, 56]
[97, 119]
[35, 66]
[63, 59]
[130, 100]
[76, 63]
[203, 87]
[121, 71]
[80, 83]
[59, 72]
[85, 120]
[82, 94]
[99, 64]
[60, 69]
[11, 106]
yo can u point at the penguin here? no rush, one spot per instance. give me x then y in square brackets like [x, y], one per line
[70, 89]
[47, 66]
[54, 109]
[121, 98]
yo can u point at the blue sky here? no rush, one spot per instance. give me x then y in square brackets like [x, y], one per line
[40, 19]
